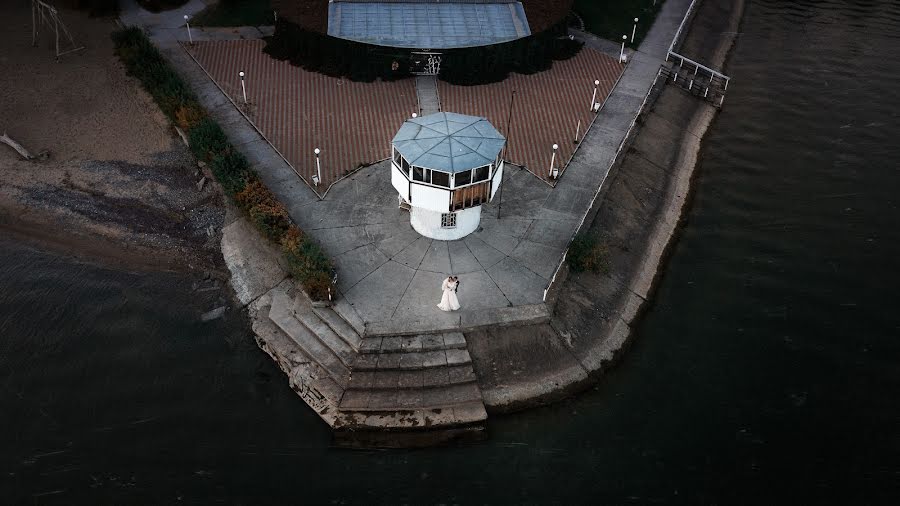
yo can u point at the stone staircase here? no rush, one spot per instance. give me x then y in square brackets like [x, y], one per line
[367, 383]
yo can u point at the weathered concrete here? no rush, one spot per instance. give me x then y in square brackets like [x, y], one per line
[384, 357]
[256, 265]
[426, 91]
[637, 215]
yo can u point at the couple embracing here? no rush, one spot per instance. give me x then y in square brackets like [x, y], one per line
[449, 287]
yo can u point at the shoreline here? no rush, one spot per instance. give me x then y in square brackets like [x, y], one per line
[585, 365]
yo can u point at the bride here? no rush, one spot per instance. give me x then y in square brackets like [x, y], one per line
[449, 302]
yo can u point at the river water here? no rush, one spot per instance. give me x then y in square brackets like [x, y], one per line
[766, 371]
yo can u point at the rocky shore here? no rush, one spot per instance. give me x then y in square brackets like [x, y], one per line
[118, 184]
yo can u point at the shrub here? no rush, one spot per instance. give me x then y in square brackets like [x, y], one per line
[587, 253]
[232, 171]
[207, 140]
[188, 115]
[264, 209]
[307, 263]
[306, 260]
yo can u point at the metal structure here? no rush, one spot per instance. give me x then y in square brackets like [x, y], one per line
[45, 14]
[693, 77]
[425, 63]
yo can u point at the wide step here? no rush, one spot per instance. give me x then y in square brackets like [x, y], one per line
[339, 326]
[393, 399]
[461, 414]
[411, 360]
[416, 378]
[422, 342]
[282, 316]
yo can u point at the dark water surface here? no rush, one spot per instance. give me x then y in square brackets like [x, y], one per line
[767, 371]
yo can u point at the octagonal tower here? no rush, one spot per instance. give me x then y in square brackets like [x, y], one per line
[444, 167]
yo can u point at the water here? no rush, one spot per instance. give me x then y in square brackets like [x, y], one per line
[766, 371]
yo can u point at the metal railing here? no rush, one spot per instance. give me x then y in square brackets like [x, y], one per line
[649, 98]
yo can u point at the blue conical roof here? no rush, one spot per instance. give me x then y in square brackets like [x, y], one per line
[448, 142]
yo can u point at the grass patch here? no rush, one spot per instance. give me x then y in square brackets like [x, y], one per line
[237, 13]
[588, 253]
[308, 262]
[611, 20]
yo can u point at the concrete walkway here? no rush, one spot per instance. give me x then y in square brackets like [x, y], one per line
[170, 25]
[426, 90]
[386, 272]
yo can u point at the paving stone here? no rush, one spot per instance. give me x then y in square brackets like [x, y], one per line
[361, 379]
[455, 357]
[412, 255]
[486, 255]
[408, 399]
[383, 399]
[432, 342]
[454, 339]
[461, 374]
[370, 345]
[435, 376]
[391, 344]
[354, 399]
[461, 259]
[411, 343]
[410, 379]
[437, 259]
[412, 360]
[365, 362]
[385, 379]
[388, 361]
[433, 358]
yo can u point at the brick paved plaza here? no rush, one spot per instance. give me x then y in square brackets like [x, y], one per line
[353, 123]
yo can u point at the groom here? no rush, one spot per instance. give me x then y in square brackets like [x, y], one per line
[456, 279]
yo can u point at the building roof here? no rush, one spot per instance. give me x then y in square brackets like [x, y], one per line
[428, 24]
[448, 142]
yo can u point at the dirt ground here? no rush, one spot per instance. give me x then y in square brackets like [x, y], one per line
[118, 182]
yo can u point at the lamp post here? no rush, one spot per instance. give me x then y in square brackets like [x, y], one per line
[594, 96]
[188, 25]
[634, 30]
[243, 88]
[552, 160]
[318, 175]
[577, 128]
[622, 52]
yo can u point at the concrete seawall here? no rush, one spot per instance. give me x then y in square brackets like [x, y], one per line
[637, 216]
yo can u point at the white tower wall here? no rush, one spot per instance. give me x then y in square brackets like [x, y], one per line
[428, 223]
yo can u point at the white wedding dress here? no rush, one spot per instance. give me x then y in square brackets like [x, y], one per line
[449, 302]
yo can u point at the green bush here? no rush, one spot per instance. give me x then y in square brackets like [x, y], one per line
[307, 262]
[269, 215]
[587, 253]
[207, 140]
[232, 171]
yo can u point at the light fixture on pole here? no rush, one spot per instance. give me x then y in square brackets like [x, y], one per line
[243, 88]
[554, 172]
[415, 115]
[622, 52]
[318, 175]
[188, 25]
[594, 96]
[634, 30]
